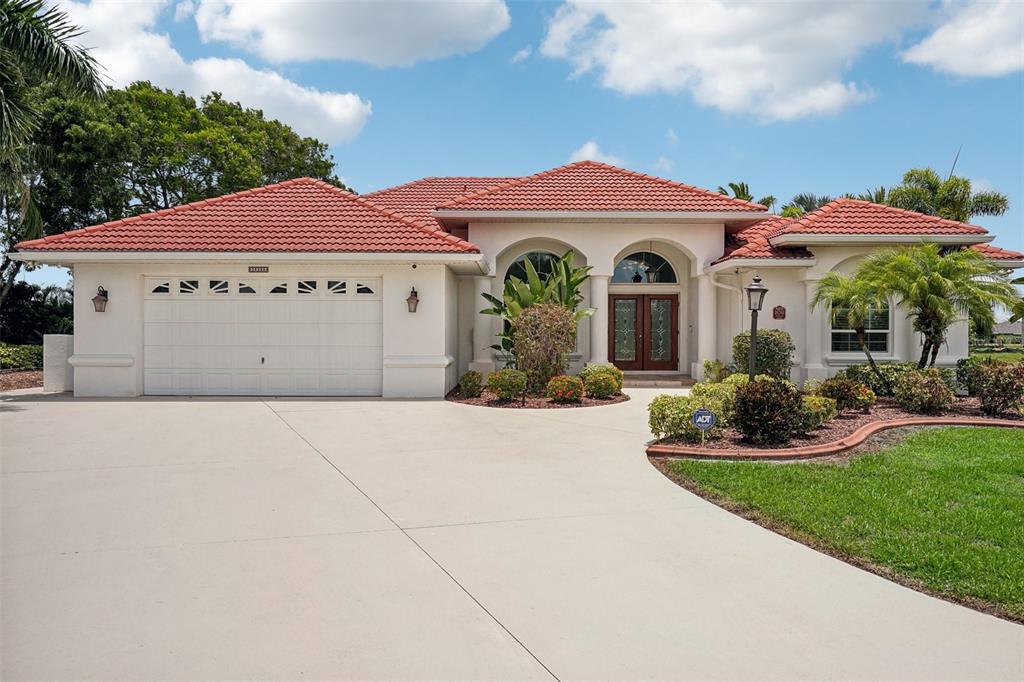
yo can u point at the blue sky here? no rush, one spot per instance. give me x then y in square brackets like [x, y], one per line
[803, 97]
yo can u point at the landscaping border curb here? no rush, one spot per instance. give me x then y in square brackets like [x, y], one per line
[823, 449]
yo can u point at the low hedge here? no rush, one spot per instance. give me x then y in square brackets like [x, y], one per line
[775, 351]
[923, 391]
[815, 412]
[21, 357]
[601, 385]
[471, 384]
[565, 389]
[507, 384]
[1000, 387]
[671, 416]
[591, 370]
[766, 410]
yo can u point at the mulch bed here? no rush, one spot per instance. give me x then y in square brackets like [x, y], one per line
[488, 399]
[13, 379]
[845, 424]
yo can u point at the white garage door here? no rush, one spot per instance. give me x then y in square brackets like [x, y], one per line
[263, 336]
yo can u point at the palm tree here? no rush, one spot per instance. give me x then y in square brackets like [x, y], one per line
[937, 288]
[879, 195]
[855, 299]
[924, 191]
[805, 202]
[740, 190]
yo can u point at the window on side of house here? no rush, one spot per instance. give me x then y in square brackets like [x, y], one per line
[877, 333]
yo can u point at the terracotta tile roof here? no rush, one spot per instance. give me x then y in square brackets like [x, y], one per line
[996, 253]
[752, 242]
[417, 199]
[593, 186]
[292, 216]
[853, 216]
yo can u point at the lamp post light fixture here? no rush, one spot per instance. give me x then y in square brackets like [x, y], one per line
[755, 299]
[413, 301]
[99, 301]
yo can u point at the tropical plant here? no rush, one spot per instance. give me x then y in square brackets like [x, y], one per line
[855, 299]
[740, 190]
[880, 378]
[805, 202]
[923, 190]
[936, 288]
[563, 287]
[31, 311]
[879, 195]
[1017, 309]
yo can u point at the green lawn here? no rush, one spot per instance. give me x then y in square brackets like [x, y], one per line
[944, 508]
[1005, 357]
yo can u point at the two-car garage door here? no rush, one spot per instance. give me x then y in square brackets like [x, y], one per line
[263, 336]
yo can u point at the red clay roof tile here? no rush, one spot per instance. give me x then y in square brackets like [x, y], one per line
[996, 253]
[594, 186]
[293, 216]
[752, 242]
[853, 216]
[417, 199]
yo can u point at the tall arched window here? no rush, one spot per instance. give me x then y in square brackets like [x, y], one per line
[543, 262]
[644, 267]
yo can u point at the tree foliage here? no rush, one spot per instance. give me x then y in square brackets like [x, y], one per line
[856, 298]
[31, 311]
[740, 190]
[924, 191]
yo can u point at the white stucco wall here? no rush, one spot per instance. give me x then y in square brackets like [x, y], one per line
[419, 348]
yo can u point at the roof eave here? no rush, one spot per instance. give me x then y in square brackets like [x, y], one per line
[731, 263]
[70, 257]
[822, 239]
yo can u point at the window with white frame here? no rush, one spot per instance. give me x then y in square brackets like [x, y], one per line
[877, 330]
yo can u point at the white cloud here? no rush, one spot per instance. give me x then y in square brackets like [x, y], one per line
[777, 61]
[522, 55]
[979, 39]
[664, 164]
[671, 137]
[589, 151]
[124, 39]
[379, 33]
[184, 9]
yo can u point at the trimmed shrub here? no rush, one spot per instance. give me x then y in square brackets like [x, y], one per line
[671, 416]
[767, 410]
[565, 389]
[608, 368]
[967, 372]
[923, 391]
[507, 384]
[471, 384]
[21, 357]
[601, 385]
[1000, 387]
[716, 371]
[815, 410]
[812, 386]
[774, 352]
[842, 390]
[866, 399]
[542, 338]
[721, 394]
[889, 370]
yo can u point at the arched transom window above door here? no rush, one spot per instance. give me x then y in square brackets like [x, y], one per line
[644, 267]
[543, 262]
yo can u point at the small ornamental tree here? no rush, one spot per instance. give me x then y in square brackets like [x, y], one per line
[542, 337]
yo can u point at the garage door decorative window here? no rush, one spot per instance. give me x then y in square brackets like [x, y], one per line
[338, 287]
[218, 286]
[188, 286]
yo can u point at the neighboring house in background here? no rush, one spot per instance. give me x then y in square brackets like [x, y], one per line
[1012, 328]
[300, 288]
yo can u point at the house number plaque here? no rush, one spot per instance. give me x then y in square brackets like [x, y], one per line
[259, 268]
[779, 312]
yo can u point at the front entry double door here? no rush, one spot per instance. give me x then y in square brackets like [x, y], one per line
[643, 331]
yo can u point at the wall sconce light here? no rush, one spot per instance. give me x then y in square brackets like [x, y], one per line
[413, 300]
[99, 301]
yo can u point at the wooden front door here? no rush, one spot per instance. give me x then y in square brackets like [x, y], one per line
[643, 331]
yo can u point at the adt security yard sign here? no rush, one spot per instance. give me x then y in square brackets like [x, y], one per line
[703, 418]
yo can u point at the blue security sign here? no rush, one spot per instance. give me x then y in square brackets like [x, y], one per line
[703, 418]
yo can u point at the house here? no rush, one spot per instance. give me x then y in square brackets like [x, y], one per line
[300, 288]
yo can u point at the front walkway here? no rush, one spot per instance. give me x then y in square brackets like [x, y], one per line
[382, 539]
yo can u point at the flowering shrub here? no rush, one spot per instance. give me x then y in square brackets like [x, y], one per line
[866, 399]
[542, 338]
[814, 412]
[609, 368]
[471, 384]
[767, 410]
[923, 391]
[1000, 387]
[842, 390]
[565, 389]
[671, 416]
[601, 385]
[774, 352]
[507, 384]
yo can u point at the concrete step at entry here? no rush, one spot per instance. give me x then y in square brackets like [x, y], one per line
[657, 380]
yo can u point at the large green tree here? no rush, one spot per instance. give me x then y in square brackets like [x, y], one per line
[143, 148]
[924, 191]
[937, 287]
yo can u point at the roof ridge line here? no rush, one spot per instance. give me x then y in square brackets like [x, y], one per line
[510, 183]
[676, 183]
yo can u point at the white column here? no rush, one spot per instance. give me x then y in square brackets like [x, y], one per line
[599, 320]
[483, 327]
[814, 330]
[707, 324]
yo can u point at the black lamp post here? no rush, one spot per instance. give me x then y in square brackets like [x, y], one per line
[755, 299]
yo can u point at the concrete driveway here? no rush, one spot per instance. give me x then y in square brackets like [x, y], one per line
[226, 539]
